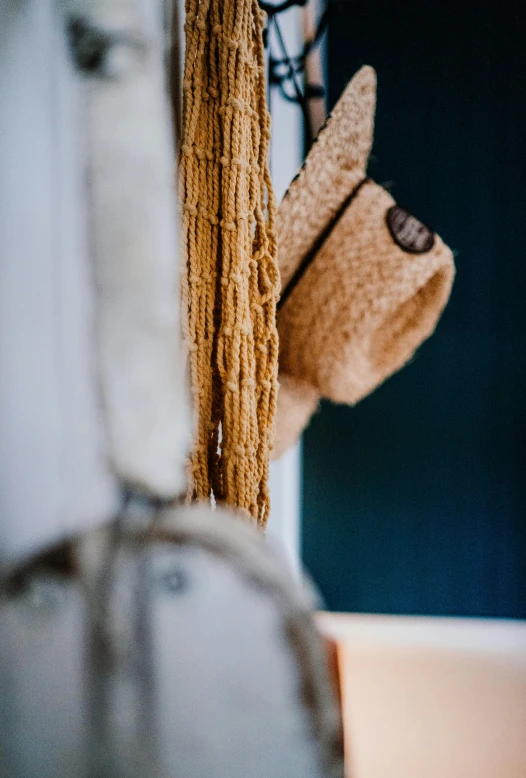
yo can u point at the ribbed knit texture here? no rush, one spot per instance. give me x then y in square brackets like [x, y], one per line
[364, 304]
[230, 276]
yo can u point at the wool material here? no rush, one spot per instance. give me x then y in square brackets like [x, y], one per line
[230, 273]
[364, 282]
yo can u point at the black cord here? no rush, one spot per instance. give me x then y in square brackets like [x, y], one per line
[318, 243]
[283, 72]
[299, 60]
[286, 69]
[300, 97]
[271, 9]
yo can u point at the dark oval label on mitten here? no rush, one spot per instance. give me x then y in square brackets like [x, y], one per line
[408, 232]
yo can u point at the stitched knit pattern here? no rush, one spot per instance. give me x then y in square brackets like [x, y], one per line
[334, 166]
[230, 275]
[359, 312]
[364, 303]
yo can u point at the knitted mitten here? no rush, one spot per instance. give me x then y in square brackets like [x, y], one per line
[363, 282]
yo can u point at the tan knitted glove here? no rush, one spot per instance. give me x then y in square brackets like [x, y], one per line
[363, 282]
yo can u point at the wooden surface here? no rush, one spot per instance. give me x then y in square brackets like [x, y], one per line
[428, 698]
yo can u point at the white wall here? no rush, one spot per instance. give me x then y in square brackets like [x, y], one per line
[286, 159]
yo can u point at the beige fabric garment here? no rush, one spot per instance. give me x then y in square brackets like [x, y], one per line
[135, 245]
[54, 474]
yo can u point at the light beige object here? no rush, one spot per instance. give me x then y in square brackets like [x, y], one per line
[164, 645]
[363, 282]
[431, 697]
[135, 244]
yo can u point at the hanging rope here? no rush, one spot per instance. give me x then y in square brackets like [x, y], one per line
[230, 278]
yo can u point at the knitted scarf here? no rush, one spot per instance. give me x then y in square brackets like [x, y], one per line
[230, 277]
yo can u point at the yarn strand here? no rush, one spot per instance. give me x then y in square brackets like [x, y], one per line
[230, 274]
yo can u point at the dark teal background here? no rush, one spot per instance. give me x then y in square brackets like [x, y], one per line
[415, 501]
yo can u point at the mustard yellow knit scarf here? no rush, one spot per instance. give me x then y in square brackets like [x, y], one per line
[230, 277]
